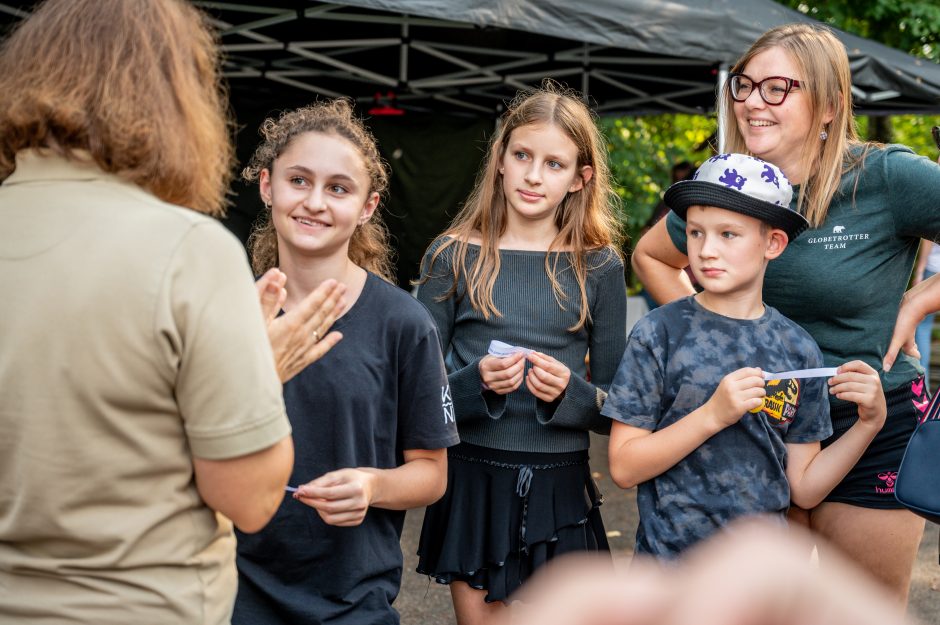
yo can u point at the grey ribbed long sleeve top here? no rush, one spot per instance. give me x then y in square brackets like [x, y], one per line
[531, 317]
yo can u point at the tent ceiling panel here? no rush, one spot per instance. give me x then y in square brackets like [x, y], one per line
[438, 62]
[470, 56]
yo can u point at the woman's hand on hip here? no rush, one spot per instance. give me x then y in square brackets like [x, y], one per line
[919, 301]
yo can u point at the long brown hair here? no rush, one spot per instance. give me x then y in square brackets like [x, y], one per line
[134, 84]
[826, 82]
[368, 246]
[586, 219]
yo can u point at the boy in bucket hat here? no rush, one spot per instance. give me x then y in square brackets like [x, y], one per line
[719, 404]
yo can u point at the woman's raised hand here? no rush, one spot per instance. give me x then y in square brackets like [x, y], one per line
[300, 336]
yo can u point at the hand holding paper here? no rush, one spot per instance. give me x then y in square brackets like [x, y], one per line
[548, 378]
[859, 383]
[502, 369]
[738, 392]
[340, 497]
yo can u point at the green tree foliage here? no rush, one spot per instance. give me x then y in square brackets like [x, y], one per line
[642, 152]
[909, 25]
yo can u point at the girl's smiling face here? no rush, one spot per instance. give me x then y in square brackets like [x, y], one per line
[319, 193]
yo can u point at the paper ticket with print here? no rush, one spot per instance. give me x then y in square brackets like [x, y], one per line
[501, 350]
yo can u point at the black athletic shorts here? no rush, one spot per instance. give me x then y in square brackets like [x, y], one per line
[870, 483]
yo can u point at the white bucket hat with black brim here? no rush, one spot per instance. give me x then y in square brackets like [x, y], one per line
[743, 184]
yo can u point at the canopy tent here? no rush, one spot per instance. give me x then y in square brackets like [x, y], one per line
[628, 56]
[466, 58]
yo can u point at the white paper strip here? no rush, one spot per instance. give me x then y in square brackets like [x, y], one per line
[501, 350]
[822, 372]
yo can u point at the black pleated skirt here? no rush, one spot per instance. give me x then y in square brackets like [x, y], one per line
[506, 513]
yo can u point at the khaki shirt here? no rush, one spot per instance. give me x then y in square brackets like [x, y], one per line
[131, 339]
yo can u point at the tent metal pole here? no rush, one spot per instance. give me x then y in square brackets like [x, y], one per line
[585, 73]
[403, 54]
[14, 11]
[722, 81]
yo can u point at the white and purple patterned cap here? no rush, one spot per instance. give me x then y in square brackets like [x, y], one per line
[740, 183]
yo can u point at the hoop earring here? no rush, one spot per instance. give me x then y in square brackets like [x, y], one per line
[823, 135]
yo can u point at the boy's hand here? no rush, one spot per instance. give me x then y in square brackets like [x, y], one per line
[548, 378]
[739, 392]
[857, 382]
[502, 375]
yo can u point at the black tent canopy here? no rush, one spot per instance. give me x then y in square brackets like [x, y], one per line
[466, 58]
[629, 56]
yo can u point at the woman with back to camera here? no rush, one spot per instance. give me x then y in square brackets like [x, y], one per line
[140, 396]
[788, 101]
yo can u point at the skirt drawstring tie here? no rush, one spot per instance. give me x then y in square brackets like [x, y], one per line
[523, 483]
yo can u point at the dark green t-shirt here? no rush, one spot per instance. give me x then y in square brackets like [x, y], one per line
[843, 281]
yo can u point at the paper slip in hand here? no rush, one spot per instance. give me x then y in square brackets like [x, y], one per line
[291, 489]
[501, 350]
[822, 372]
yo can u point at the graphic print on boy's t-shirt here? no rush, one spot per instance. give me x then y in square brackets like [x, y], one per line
[782, 401]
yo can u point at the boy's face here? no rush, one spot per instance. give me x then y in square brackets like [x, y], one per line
[728, 251]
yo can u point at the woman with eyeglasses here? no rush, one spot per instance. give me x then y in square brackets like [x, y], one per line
[789, 101]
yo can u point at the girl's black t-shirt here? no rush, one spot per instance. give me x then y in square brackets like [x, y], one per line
[381, 390]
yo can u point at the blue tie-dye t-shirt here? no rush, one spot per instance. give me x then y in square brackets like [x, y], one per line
[675, 358]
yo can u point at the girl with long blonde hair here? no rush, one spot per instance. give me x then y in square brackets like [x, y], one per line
[530, 261]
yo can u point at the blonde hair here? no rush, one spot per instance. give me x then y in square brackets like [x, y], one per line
[135, 84]
[368, 247]
[586, 219]
[826, 82]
